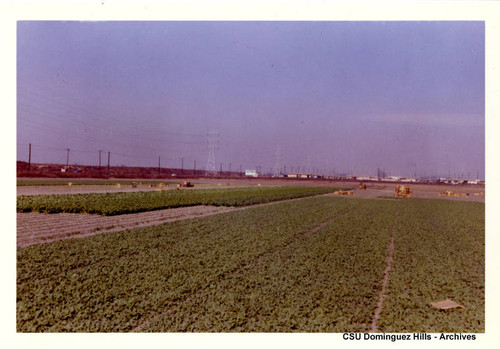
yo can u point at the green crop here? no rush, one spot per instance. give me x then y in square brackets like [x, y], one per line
[327, 282]
[264, 269]
[111, 281]
[79, 181]
[439, 254]
[120, 203]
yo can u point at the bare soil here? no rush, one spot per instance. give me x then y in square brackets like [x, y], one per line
[425, 191]
[36, 228]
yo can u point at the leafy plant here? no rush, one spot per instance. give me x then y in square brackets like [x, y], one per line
[108, 204]
[273, 268]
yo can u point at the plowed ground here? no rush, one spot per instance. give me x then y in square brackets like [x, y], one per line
[35, 228]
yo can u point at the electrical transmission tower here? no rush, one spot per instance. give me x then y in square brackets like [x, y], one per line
[213, 141]
[277, 162]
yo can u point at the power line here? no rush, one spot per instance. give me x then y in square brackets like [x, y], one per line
[100, 116]
[87, 137]
[94, 151]
[65, 120]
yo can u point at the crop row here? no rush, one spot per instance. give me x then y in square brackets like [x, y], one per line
[260, 270]
[109, 282]
[327, 282]
[121, 203]
[48, 182]
[439, 254]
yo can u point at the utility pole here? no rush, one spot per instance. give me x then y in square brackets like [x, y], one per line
[100, 151]
[182, 166]
[109, 156]
[29, 159]
[67, 157]
[241, 170]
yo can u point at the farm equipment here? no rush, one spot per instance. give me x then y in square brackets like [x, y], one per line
[402, 191]
[343, 192]
[362, 186]
[185, 184]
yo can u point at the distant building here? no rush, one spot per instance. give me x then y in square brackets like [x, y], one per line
[251, 173]
[302, 175]
[409, 179]
[472, 181]
[366, 178]
[391, 179]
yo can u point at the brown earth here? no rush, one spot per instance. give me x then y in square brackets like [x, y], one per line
[424, 191]
[35, 228]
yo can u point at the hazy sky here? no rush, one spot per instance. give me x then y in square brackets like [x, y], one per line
[344, 97]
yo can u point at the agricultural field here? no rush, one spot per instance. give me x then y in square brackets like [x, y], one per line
[80, 181]
[109, 204]
[310, 265]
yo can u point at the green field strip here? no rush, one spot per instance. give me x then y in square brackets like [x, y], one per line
[327, 282]
[122, 203]
[144, 269]
[43, 183]
[435, 259]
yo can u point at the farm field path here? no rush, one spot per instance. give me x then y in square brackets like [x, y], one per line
[385, 279]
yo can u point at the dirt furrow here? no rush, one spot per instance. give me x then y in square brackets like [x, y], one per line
[34, 228]
[385, 279]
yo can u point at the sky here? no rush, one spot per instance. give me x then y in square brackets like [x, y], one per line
[326, 97]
